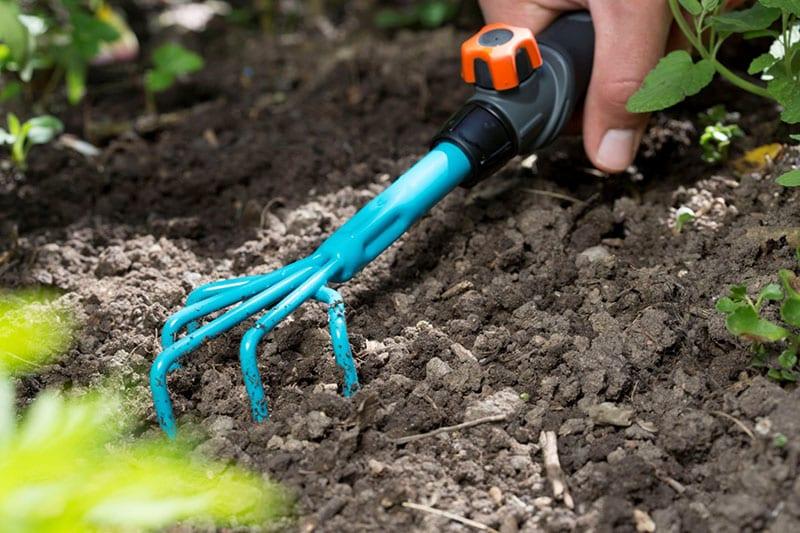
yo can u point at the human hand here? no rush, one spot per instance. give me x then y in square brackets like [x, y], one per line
[630, 38]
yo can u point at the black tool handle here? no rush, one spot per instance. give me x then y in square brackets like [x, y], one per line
[572, 36]
[516, 110]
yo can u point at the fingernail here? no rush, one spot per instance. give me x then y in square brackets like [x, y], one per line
[617, 149]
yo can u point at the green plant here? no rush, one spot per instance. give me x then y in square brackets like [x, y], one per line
[707, 28]
[22, 136]
[34, 328]
[717, 134]
[170, 62]
[426, 13]
[744, 319]
[67, 467]
[70, 465]
[683, 216]
[59, 37]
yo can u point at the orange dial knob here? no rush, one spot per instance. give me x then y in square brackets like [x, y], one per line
[499, 57]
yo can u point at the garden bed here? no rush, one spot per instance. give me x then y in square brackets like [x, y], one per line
[504, 301]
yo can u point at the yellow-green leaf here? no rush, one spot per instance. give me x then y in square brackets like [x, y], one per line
[790, 179]
[675, 77]
[745, 322]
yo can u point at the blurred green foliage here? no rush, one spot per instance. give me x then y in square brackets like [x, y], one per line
[719, 131]
[34, 329]
[170, 61]
[64, 467]
[60, 37]
[424, 13]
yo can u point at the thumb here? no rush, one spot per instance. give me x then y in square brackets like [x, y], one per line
[630, 39]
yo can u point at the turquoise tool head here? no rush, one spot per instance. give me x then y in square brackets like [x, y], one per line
[524, 93]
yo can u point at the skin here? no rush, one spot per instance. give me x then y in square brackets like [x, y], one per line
[631, 36]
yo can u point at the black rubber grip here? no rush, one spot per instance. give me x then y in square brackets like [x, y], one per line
[573, 36]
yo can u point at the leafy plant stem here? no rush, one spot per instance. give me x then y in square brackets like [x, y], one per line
[723, 71]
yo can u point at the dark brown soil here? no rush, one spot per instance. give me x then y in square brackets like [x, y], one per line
[503, 300]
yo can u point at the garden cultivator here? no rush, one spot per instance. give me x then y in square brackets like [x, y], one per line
[524, 92]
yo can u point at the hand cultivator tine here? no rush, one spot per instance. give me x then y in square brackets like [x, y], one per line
[265, 324]
[172, 353]
[225, 286]
[339, 339]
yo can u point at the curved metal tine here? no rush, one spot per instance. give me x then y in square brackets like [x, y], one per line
[250, 340]
[219, 299]
[165, 360]
[214, 288]
[339, 338]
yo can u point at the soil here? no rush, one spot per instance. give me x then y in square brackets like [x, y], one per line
[502, 301]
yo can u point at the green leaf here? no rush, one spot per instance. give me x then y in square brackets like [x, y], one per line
[35, 328]
[675, 77]
[76, 84]
[710, 5]
[89, 33]
[12, 31]
[745, 322]
[761, 63]
[683, 216]
[791, 6]
[434, 13]
[775, 374]
[692, 6]
[726, 305]
[790, 179]
[788, 358]
[795, 136]
[10, 91]
[174, 59]
[790, 311]
[780, 440]
[756, 18]
[14, 125]
[791, 283]
[43, 129]
[70, 464]
[738, 292]
[771, 292]
[786, 90]
[788, 375]
[748, 35]
[158, 80]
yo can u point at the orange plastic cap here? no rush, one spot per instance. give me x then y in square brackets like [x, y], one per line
[499, 57]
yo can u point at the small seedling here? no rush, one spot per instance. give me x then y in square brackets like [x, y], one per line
[780, 440]
[170, 62]
[717, 134]
[683, 216]
[22, 136]
[707, 28]
[775, 346]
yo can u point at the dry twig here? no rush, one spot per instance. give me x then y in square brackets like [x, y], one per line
[445, 429]
[736, 421]
[552, 466]
[452, 516]
[554, 194]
